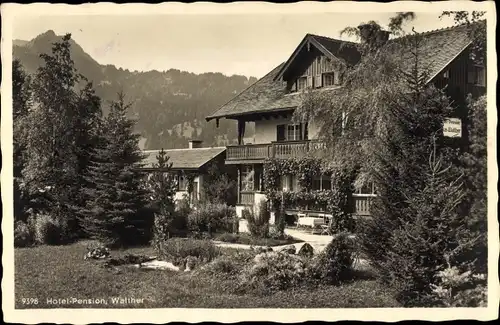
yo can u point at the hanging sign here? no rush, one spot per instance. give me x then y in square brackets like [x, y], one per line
[452, 127]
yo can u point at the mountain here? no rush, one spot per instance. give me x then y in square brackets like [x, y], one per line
[170, 106]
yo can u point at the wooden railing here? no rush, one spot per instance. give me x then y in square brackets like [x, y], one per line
[273, 150]
[247, 198]
[362, 204]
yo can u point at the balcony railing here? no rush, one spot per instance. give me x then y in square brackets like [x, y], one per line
[273, 150]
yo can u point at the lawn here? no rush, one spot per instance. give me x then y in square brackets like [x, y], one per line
[52, 273]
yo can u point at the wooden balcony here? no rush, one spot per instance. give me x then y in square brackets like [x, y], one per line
[259, 152]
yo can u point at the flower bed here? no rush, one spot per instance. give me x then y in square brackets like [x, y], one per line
[247, 239]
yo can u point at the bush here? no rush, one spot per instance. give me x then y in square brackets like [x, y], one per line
[258, 224]
[48, 230]
[275, 271]
[334, 264]
[179, 249]
[222, 266]
[24, 235]
[212, 217]
[460, 289]
[246, 213]
[228, 238]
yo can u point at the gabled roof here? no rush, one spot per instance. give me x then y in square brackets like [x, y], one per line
[184, 158]
[328, 46]
[438, 49]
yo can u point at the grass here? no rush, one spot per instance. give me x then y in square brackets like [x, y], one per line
[247, 239]
[60, 272]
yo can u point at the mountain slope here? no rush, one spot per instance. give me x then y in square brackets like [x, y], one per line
[170, 106]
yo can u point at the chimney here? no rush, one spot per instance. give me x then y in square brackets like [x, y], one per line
[193, 144]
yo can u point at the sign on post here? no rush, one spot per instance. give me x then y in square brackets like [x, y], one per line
[452, 127]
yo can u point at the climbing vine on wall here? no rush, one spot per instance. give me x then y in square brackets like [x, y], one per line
[336, 201]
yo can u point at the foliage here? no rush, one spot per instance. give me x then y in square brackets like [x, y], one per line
[334, 264]
[212, 217]
[219, 185]
[248, 239]
[57, 135]
[179, 249]
[460, 289]
[258, 223]
[116, 193]
[425, 232]
[21, 100]
[275, 271]
[474, 162]
[24, 234]
[49, 230]
[337, 201]
[162, 187]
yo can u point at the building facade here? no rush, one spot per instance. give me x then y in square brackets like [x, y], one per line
[270, 103]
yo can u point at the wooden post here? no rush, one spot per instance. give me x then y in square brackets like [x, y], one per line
[241, 131]
[239, 184]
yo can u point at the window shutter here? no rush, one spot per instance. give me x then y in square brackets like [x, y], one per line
[306, 131]
[318, 82]
[294, 86]
[280, 132]
[336, 78]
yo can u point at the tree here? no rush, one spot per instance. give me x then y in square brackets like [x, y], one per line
[115, 194]
[50, 171]
[58, 134]
[218, 185]
[384, 122]
[21, 101]
[162, 186]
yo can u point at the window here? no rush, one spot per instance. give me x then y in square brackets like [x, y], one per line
[328, 79]
[446, 74]
[194, 194]
[247, 178]
[294, 132]
[476, 75]
[321, 183]
[367, 189]
[301, 83]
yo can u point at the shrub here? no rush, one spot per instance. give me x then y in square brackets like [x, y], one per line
[334, 264]
[258, 224]
[23, 235]
[179, 249]
[246, 214]
[228, 238]
[275, 271]
[48, 230]
[182, 207]
[212, 217]
[460, 289]
[222, 266]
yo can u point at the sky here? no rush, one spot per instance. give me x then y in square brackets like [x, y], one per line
[244, 44]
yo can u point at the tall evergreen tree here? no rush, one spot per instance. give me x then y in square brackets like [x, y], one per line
[162, 186]
[116, 194]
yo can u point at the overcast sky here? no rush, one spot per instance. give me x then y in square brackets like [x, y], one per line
[250, 44]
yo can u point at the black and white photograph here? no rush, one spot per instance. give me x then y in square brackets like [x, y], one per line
[303, 161]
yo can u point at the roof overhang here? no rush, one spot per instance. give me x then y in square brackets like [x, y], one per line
[249, 116]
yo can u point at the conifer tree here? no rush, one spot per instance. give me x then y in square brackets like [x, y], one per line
[116, 194]
[162, 185]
